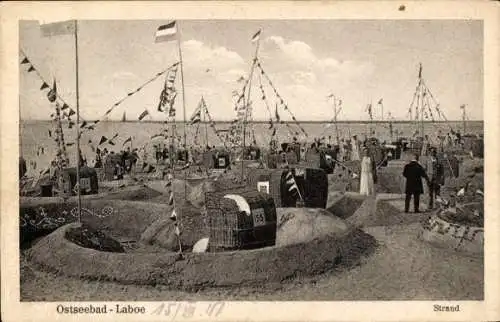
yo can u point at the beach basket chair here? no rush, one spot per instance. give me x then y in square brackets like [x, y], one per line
[240, 219]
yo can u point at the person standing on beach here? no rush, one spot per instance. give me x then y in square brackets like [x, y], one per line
[414, 172]
[367, 180]
[435, 172]
[355, 149]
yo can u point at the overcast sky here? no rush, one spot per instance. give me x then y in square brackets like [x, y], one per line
[359, 61]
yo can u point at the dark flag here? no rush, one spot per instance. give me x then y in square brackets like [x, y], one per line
[25, 61]
[103, 140]
[31, 69]
[44, 86]
[52, 94]
[71, 112]
[83, 124]
[65, 106]
[276, 114]
[127, 140]
[143, 115]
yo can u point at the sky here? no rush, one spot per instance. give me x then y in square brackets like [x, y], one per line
[359, 61]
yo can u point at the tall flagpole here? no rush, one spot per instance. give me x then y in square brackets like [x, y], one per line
[77, 126]
[183, 111]
[247, 102]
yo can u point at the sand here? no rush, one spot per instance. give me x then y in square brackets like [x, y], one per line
[402, 268]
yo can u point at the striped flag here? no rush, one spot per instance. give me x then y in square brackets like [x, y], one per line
[58, 28]
[196, 117]
[290, 181]
[166, 32]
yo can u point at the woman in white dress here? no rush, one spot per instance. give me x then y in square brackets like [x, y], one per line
[366, 186]
[354, 149]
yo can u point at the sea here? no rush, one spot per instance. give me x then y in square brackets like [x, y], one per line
[38, 147]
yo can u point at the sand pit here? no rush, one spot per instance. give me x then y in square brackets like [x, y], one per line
[462, 237]
[121, 217]
[362, 211]
[324, 244]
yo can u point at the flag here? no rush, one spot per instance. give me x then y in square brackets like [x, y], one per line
[290, 181]
[461, 192]
[65, 106]
[143, 115]
[71, 112]
[127, 140]
[84, 123]
[256, 36]
[171, 198]
[173, 216]
[52, 94]
[58, 28]
[196, 117]
[44, 86]
[462, 106]
[166, 32]
[31, 69]
[103, 140]
[25, 61]
[380, 101]
[276, 114]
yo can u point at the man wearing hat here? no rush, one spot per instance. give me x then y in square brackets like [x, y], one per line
[414, 172]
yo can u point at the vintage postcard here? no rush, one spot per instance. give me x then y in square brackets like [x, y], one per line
[226, 161]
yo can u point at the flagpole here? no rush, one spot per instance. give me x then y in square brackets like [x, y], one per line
[246, 102]
[205, 121]
[183, 111]
[77, 126]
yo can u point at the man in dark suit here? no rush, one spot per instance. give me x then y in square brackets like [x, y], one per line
[414, 172]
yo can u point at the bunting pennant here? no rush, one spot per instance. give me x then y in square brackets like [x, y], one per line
[31, 69]
[143, 115]
[196, 117]
[25, 61]
[44, 86]
[71, 112]
[84, 123]
[52, 94]
[173, 215]
[127, 140]
[380, 101]
[171, 198]
[103, 140]
[276, 114]
[65, 106]
[256, 36]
